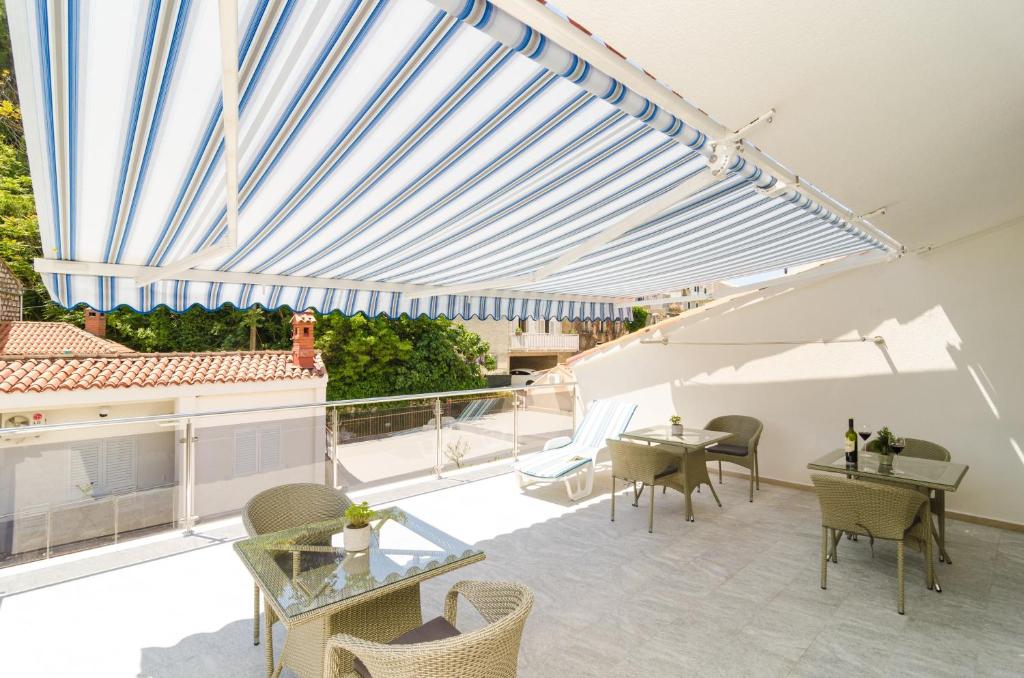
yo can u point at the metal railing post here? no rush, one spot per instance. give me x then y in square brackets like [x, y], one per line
[438, 441]
[117, 511]
[190, 477]
[573, 394]
[515, 426]
[49, 521]
[334, 447]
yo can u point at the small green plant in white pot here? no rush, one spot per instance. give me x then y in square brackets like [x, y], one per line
[357, 526]
[676, 424]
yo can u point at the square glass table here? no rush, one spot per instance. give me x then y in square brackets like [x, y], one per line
[940, 476]
[937, 475]
[692, 438]
[690, 442]
[317, 589]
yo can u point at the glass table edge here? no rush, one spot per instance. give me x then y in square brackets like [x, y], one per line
[817, 465]
[361, 598]
[636, 434]
[469, 555]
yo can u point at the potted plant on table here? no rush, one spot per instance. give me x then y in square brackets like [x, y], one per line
[357, 526]
[882, 446]
[676, 425]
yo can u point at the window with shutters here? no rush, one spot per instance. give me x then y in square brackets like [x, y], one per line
[84, 465]
[257, 449]
[101, 467]
[270, 448]
[247, 452]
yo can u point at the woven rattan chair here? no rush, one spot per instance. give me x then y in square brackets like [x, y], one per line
[741, 448]
[284, 507]
[657, 465]
[877, 511]
[923, 449]
[488, 652]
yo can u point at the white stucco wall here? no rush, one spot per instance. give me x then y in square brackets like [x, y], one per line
[302, 434]
[37, 468]
[496, 334]
[951, 370]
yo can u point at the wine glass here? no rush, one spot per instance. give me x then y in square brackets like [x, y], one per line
[864, 432]
[897, 443]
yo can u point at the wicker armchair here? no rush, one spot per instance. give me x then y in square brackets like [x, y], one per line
[489, 652]
[877, 511]
[655, 465]
[284, 507]
[741, 448]
[923, 449]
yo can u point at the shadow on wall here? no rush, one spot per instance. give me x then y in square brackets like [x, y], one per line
[950, 370]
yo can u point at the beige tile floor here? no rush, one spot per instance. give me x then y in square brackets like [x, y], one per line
[733, 594]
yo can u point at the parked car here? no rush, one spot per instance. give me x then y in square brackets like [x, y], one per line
[523, 376]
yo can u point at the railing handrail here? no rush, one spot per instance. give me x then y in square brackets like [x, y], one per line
[26, 431]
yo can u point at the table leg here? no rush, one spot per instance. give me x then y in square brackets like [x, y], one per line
[940, 504]
[637, 494]
[713, 493]
[380, 619]
[268, 637]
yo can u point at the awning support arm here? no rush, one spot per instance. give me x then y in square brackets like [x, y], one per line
[687, 189]
[409, 290]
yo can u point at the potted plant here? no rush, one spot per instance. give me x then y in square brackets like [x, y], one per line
[357, 526]
[882, 446]
[676, 425]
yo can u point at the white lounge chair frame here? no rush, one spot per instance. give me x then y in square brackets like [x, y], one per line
[604, 419]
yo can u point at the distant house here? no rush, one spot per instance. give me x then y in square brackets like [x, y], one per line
[90, 484]
[540, 344]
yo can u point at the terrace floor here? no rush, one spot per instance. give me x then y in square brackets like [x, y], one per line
[733, 594]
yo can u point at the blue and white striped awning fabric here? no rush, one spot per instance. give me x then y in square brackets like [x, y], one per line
[387, 150]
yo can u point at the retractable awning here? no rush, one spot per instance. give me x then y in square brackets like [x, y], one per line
[390, 156]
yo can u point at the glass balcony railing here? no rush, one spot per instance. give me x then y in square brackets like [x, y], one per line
[78, 485]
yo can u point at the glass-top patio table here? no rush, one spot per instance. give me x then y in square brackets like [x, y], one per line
[691, 441]
[691, 438]
[316, 589]
[940, 476]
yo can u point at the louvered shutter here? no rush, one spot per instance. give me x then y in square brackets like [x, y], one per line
[247, 454]
[84, 463]
[119, 474]
[270, 448]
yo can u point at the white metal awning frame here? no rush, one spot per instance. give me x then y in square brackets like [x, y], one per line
[726, 152]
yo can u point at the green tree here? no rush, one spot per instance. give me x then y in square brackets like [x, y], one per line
[368, 357]
[639, 319]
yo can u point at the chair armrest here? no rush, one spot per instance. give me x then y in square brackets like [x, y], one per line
[359, 647]
[555, 443]
[492, 599]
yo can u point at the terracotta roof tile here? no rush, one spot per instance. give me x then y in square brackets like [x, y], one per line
[22, 337]
[77, 373]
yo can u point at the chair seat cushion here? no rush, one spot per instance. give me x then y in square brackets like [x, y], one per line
[559, 462]
[732, 450]
[437, 628]
[667, 471]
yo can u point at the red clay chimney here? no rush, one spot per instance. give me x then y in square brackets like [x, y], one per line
[95, 323]
[303, 353]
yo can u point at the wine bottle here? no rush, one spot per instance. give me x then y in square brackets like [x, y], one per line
[851, 445]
